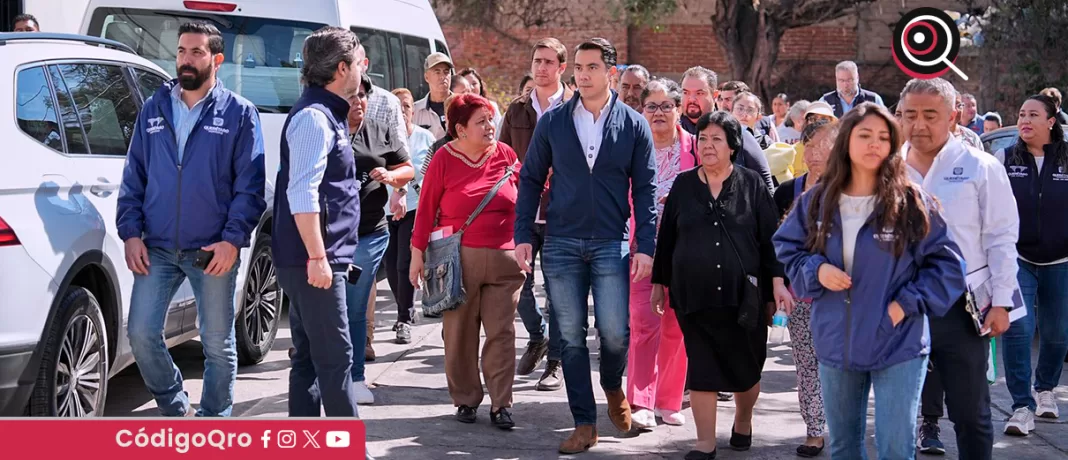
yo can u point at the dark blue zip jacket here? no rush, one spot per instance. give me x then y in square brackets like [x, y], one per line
[851, 329]
[583, 203]
[1041, 200]
[215, 194]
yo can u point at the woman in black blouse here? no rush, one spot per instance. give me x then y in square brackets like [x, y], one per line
[715, 236]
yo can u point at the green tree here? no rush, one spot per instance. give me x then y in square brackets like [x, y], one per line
[748, 31]
[1024, 49]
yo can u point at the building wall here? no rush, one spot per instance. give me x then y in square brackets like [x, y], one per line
[806, 58]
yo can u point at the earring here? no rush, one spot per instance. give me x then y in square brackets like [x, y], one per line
[463, 135]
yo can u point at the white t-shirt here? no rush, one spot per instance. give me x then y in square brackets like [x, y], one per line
[855, 211]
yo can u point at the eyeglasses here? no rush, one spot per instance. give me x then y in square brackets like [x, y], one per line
[740, 110]
[665, 107]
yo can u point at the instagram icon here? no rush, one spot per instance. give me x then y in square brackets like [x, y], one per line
[287, 439]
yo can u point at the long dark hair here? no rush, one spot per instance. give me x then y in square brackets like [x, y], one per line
[899, 206]
[1056, 136]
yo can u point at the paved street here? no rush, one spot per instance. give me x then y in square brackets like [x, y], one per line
[412, 415]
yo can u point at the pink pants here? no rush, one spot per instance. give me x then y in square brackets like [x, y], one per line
[656, 367]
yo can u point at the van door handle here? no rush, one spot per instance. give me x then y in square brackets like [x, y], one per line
[103, 189]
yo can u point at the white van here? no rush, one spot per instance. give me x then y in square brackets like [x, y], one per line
[264, 38]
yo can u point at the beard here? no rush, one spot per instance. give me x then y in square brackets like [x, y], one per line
[196, 80]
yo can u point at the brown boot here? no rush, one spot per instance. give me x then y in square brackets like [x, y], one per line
[618, 409]
[582, 439]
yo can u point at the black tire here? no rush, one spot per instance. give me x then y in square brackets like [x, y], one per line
[78, 325]
[257, 320]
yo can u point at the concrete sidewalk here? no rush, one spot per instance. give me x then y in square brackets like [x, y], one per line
[412, 417]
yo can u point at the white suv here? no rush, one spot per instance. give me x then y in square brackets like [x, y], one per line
[64, 285]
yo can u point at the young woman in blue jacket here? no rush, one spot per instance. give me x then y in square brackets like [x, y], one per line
[869, 320]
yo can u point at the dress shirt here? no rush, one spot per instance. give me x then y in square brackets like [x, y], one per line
[590, 132]
[554, 100]
[185, 117]
[980, 210]
[311, 137]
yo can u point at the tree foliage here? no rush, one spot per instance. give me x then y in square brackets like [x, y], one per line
[1024, 49]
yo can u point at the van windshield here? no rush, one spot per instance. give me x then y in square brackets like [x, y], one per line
[263, 56]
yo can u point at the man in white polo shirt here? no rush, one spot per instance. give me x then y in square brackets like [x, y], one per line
[980, 209]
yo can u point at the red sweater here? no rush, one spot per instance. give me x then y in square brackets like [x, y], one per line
[454, 186]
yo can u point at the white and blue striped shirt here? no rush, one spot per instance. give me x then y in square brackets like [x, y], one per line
[311, 137]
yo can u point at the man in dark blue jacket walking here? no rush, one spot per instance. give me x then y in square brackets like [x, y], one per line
[192, 193]
[599, 149]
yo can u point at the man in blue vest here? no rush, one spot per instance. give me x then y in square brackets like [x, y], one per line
[849, 93]
[192, 191]
[317, 212]
[597, 147]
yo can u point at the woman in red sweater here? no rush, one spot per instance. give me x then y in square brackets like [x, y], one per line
[459, 176]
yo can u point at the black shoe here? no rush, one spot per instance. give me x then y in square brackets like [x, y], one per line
[741, 441]
[535, 352]
[929, 442]
[553, 378]
[722, 396]
[502, 419]
[809, 451]
[466, 414]
[698, 455]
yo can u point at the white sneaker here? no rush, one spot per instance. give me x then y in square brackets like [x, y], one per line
[643, 419]
[671, 417]
[363, 394]
[1047, 405]
[1022, 422]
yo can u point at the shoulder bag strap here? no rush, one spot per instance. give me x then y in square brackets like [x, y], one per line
[489, 196]
[715, 213]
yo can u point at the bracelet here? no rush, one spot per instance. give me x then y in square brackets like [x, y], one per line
[317, 258]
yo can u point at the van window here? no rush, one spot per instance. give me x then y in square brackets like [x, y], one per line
[396, 56]
[378, 67]
[263, 55]
[440, 47]
[35, 108]
[415, 52]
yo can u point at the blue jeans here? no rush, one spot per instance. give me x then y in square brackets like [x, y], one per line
[151, 298]
[1049, 285]
[573, 266]
[369, 253]
[897, 398]
[319, 374]
[534, 318]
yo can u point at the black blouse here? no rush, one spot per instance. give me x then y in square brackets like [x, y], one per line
[694, 256]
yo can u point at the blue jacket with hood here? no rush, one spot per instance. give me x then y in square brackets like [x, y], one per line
[851, 329]
[216, 193]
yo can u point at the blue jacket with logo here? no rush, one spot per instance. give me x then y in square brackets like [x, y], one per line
[216, 193]
[1041, 197]
[851, 329]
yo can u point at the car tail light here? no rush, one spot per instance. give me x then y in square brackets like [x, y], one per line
[7, 235]
[210, 6]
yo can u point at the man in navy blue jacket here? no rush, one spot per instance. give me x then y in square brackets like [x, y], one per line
[598, 149]
[192, 189]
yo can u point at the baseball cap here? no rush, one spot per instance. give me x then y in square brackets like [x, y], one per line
[992, 116]
[435, 59]
[820, 108]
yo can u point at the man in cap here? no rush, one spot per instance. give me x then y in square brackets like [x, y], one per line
[430, 110]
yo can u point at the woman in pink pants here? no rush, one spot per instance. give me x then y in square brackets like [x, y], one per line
[656, 367]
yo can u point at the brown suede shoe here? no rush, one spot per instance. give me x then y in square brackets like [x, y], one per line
[582, 439]
[619, 409]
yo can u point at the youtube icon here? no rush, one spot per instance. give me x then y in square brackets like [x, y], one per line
[339, 439]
